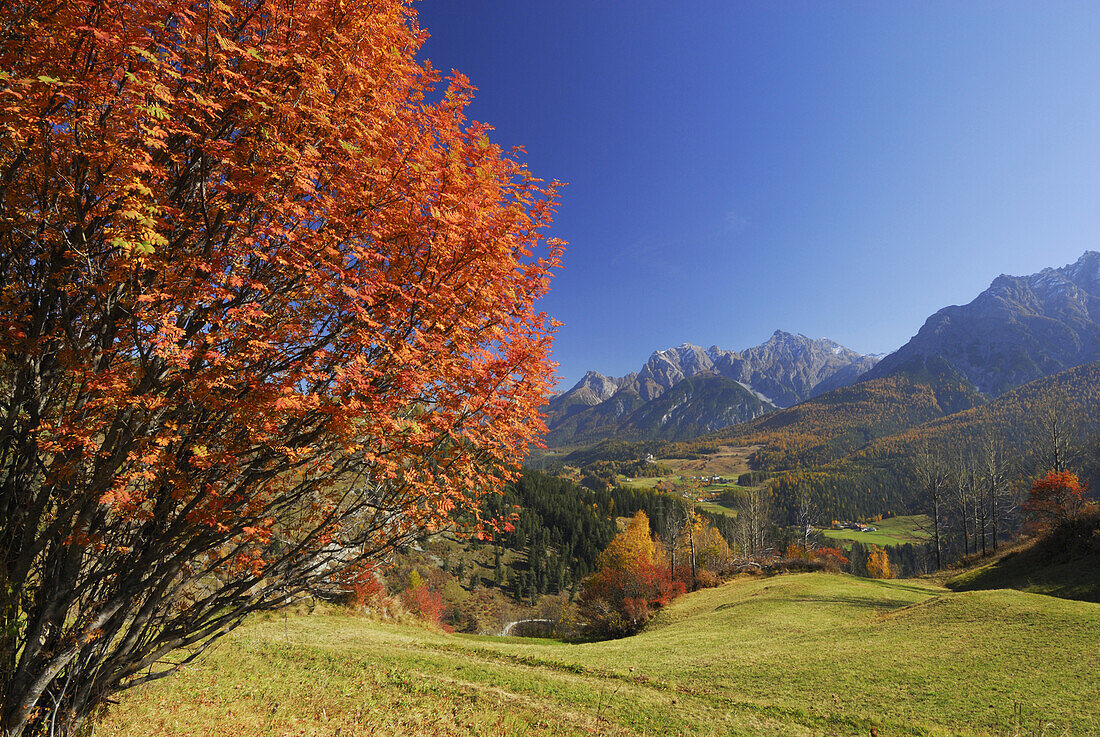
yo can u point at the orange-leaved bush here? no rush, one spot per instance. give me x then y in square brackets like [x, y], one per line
[630, 583]
[421, 600]
[832, 558]
[1057, 497]
[267, 307]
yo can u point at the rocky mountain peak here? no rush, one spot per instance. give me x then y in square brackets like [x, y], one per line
[714, 387]
[1019, 329]
[1085, 269]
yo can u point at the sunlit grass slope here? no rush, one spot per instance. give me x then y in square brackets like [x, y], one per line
[808, 654]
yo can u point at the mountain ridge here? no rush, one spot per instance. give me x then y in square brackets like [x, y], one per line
[782, 371]
[1019, 329]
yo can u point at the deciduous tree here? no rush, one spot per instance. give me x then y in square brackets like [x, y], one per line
[267, 307]
[993, 470]
[629, 584]
[878, 563]
[1056, 432]
[933, 477]
[1059, 496]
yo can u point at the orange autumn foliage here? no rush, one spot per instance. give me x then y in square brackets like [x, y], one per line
[267, 306]
[631, 583]
[1059, 496]
[878, 563]
[832, 558]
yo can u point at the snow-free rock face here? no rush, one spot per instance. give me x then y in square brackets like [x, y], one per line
[698, 404]
[665, 369]
[789, 369]
[1020, 329]
[593, 389]
[784, 370]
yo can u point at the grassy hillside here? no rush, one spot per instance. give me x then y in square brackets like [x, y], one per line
[808, 654]
[1065, 563]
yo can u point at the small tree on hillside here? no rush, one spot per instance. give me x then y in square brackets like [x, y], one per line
[878, 563]
[753, 518]
[933, 478]
[805, 512]
[995, 491]
[1056, 433]
[629, 583]
[676, 522]
[964, 496]
[712, 551]
[1057, 497]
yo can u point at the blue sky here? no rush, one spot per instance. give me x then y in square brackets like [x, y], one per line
[838, 169]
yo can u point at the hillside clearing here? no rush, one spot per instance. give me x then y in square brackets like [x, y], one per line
[890, 531]
[806, 654]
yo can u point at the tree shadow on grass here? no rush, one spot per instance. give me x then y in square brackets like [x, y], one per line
[861, 602]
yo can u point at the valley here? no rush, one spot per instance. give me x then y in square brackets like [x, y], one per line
[424, 368]
[806, 541]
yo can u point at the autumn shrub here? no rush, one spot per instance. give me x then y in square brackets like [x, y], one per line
[424, 603]
[706, 579]
[629, 584]
[422, 600]
[617, 602]
[683, 574]
[1057, 497]
[831, 558]
[365, 589]
[1070, 540]
[795, 550]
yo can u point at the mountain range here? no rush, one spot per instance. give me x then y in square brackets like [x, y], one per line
[1020, 329]
[686, 391]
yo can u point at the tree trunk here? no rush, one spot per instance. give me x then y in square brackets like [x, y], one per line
[936, 531]
[993, 517]
[691, 539]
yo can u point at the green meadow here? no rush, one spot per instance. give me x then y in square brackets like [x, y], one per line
[891, 531]
[805, 654]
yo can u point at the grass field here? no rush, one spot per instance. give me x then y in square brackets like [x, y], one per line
[1066, 563]
[716, 508]
[891, 531]
[730, 461]
[806, 654]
